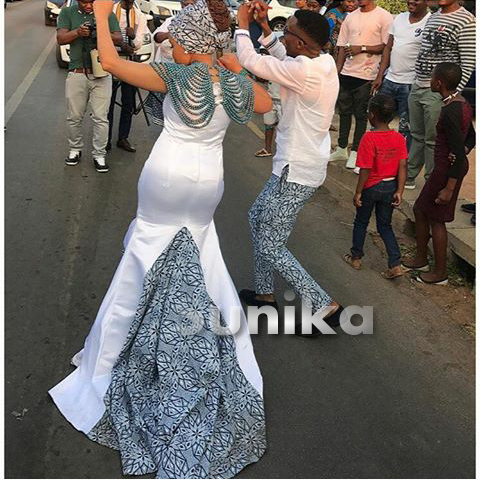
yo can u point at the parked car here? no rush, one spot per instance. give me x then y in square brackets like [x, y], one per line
[280, 11]
[52, 11]
[145, 54]
[160, 9]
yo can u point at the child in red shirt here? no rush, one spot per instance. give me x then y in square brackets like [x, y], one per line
[382, 159]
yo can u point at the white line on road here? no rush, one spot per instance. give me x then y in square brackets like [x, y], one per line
[22, 89]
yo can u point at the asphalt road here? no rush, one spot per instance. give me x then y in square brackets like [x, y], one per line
[395, 404]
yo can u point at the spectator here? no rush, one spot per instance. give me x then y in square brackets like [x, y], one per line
[399, 57]
[133, 38]
[448, 36]
[382, 158]
[335, 15]
[363, 36]
[82, 88]
[436, 203]
[271, 118]
[163, 52]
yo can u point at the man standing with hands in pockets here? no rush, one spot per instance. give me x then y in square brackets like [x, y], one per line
[308, 90]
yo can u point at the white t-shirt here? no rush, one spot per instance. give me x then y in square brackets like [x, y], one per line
[163, 52]
[407, 40]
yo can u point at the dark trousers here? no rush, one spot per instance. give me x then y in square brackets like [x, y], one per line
[353, 102]
[128, 106]
[380, 197]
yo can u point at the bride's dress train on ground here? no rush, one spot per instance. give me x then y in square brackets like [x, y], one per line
[182, 406]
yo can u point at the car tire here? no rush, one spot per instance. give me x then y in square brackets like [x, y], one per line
[278, 24]
[61, 63]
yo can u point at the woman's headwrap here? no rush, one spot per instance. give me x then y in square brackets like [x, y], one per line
[202, 27]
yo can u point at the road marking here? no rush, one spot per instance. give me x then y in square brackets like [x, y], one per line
[256, 130]
[22, 89]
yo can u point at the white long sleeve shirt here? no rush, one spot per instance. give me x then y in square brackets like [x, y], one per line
[308, 93]
[140, 28]
[163, 52]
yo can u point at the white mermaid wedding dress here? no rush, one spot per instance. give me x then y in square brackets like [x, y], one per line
[182, 406]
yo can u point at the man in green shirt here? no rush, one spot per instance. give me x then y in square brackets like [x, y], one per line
[82, 87]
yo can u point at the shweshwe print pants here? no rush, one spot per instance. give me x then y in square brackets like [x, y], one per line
[272, 218]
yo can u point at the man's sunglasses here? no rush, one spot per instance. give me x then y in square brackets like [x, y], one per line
[286, 31]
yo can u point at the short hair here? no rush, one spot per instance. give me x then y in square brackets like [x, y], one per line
[314, 25]
[449, 73]
[383, 107]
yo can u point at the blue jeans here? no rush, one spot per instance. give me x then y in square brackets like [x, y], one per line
[379, 196]
[400, 92]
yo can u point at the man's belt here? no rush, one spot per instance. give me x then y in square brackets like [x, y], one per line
[82, 70]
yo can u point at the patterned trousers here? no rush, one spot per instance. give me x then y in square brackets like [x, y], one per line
[272, 218]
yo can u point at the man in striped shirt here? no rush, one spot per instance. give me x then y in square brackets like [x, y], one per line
[448, 36]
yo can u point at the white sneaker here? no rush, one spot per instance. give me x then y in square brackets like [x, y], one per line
[410, 185]
[339, 154]
[356, 170]
[100, 164]
[352, 160]
[73, 157]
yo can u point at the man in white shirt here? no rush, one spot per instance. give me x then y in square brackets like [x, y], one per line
[134, 32]
[399, 57]
[308, 90]
[163, 47]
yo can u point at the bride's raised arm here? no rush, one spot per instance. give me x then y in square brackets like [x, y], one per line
[137, 74]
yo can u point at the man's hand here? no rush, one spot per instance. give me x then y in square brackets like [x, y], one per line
[245, 16]
[357, 199]
[83, 31]
[444, 196]
[230, 62]
[260, 12]
[397, 199]
[130, 33]
[353, 50]
[376, 84]
[126, 48]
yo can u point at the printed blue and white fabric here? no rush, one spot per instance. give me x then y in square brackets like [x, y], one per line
[179, 404]
[272, 218]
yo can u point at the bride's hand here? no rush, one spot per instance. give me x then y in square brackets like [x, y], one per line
[102, 8]
[230, 62]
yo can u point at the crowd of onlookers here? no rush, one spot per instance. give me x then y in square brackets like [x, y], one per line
[384, 66]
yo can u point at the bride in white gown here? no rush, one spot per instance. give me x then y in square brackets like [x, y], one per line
[182, 406]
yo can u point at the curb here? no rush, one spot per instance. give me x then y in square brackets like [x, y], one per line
[341, 183]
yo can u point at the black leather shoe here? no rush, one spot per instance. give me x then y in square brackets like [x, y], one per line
[332, 321]
[124, 144]
[468, 207]
[108, 147]
[248, 296]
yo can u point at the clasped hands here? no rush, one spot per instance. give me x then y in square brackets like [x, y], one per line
[256, 10]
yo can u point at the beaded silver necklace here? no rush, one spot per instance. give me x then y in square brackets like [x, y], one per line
[191, 90]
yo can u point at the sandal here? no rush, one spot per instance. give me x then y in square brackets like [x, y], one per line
[438, 282]
[423, 268]
[263, 153]
[355, 263]
[392, 273]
